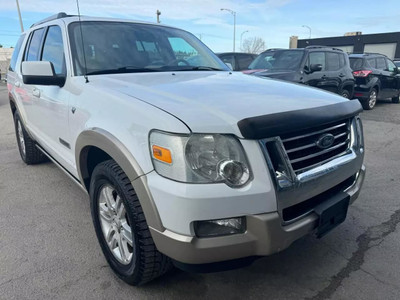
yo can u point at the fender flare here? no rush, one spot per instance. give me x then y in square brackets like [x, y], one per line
[102, 139]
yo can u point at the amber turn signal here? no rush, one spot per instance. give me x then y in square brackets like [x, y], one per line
[162, 154]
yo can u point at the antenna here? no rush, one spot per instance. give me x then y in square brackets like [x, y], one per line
[83, 45]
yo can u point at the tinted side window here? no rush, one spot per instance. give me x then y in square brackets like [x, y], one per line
[244, 61]
[380, 63]
[372, 62]
[391, 65]
[332, 60]
[317, 58]
[34, 45]
[53, 49]
[15, 53]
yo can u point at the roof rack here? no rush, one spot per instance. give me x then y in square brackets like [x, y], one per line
[319, 47]
[53, 17]
[373, 53]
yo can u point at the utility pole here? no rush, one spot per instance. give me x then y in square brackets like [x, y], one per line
[234, 24]
[20, 19]
[158, 16]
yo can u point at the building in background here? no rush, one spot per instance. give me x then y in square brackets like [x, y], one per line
[5, 57]
[356, 42]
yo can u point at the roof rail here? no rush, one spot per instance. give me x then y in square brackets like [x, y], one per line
[374, 53]
[51, 18]
[319, 47]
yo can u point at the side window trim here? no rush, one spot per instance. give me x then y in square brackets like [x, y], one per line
[45, 34]
[28, 44]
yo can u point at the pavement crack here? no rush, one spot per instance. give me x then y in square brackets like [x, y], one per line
[372, 237]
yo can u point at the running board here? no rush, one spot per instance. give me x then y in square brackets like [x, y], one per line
[74, 179]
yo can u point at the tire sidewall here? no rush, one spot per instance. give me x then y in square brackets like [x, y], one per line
[102, 176]
[17, 119]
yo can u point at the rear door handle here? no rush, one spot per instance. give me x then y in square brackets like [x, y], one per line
[36, 93]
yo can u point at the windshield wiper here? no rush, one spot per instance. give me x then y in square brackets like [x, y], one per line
[204, 68]
[126, 69]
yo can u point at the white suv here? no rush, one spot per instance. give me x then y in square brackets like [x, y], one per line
[185, 162]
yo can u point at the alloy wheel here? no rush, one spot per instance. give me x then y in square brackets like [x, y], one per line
[372, 99]
[21, 138]
[115, 225]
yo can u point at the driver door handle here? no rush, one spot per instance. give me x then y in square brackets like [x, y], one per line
[36, 93]
[341, 75]
[17, 84]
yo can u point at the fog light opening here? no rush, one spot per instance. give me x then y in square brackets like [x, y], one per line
[213, 228]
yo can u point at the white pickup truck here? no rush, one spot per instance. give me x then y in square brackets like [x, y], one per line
[186, 163]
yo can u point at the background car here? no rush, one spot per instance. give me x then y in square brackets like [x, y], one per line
[238, 61]
[377, 77]
[318, 66]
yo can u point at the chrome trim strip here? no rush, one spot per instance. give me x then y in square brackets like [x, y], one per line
[293, 161]
[313, 133]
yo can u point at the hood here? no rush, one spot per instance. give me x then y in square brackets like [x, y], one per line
[214, 102]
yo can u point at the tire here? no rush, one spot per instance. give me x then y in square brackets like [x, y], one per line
[345, 94]
[132, 255]
[396, 99]
[30, 154]
[370, 102]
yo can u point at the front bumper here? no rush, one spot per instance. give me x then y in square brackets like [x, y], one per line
[265, 235]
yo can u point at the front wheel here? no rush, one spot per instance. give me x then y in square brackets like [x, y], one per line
[370, 102]
[121, 227]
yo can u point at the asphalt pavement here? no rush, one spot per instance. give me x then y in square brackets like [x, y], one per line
[48, 248]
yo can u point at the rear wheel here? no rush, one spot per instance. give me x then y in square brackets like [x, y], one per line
[345, 94]
[396, 99]
[121, 227]
[30, 154]
[370, 102]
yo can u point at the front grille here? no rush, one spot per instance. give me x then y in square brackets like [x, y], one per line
[303, 152]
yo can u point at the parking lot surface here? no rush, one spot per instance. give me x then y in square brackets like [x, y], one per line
[48, 248]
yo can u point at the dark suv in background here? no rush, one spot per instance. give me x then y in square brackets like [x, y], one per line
[377, 77]
[238, 61]
[318, 66]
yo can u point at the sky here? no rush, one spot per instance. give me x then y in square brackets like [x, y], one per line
[273, 20]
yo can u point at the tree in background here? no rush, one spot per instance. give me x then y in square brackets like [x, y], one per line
[254, 45]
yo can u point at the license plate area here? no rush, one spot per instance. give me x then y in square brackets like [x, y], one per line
[332, 213]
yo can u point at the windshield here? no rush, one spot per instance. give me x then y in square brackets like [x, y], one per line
[122, 47]
[278, 60]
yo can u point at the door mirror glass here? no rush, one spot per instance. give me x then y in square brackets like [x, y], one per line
[315, 68]
[41, 73]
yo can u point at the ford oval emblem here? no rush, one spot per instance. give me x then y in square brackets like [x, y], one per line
[325, 141]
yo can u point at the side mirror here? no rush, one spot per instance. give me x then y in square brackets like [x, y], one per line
[229, 66]
[41, 73]
[315, 68]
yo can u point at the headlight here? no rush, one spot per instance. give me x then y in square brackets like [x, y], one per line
[200, 158]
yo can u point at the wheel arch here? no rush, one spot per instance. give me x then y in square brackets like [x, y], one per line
[96, 145]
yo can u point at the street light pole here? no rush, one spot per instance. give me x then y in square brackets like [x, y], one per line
[309, 28]
[241, 36]
[20, 19]
[234, 24]
[158, 13]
